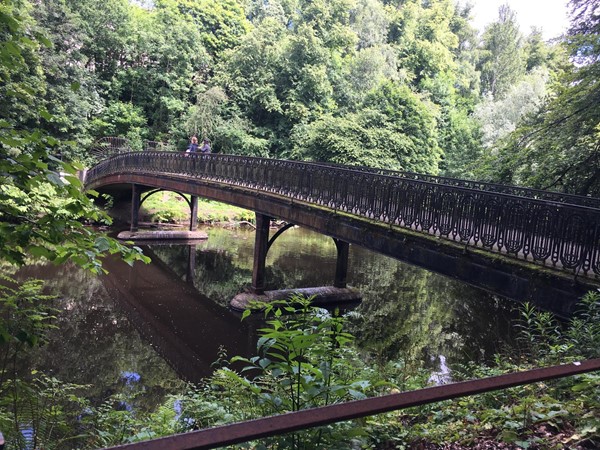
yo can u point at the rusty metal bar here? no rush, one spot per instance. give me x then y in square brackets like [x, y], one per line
[285, 423]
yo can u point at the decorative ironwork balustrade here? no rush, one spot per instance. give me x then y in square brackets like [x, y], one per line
[592, 202]
[561, 235]
[108, 146]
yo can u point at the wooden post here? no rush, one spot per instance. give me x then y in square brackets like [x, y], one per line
[341, 266]
[261, 246]
[136, 195]
[194, 213]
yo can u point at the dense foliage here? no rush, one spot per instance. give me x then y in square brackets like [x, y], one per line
[305, 358]
[404, 85]
[556, 146]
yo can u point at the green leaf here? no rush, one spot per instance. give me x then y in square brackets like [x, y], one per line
[45, 114]
[102, 244]
[41, 252]
[9, 141]
[509, 436]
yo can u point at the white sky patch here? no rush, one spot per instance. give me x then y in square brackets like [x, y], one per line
[551, 16]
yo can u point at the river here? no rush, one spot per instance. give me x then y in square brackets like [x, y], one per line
[148, 327]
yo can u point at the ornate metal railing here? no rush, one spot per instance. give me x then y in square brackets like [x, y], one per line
[108, 146]
[561, 235]
[592, 202]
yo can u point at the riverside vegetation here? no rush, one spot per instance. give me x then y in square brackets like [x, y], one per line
[304, 359]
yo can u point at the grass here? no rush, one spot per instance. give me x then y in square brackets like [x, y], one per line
[169, 207]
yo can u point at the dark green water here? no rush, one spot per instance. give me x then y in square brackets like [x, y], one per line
[150, 326]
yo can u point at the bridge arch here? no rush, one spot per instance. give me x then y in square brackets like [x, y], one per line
[192, 203]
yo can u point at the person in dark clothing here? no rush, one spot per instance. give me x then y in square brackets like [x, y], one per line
[193, 147]
[205, 146]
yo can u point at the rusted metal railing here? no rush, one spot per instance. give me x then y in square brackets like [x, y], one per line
[275, 425]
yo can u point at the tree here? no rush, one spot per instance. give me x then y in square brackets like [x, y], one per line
[395, 130]
[71, 95]
[502, 62]
[558, 148]
[500, 117]
[108, 32]
[248, 73]
[41, 209]
[204, 117]
[221, 24]
[21, 76]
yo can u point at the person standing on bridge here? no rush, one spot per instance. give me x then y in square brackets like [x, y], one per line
[205, 146]
[193, 147]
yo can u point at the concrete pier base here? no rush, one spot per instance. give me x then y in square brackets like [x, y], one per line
[324, 296]
[162, 235]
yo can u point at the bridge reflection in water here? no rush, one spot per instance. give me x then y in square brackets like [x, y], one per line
[518, 243]
[185, 328]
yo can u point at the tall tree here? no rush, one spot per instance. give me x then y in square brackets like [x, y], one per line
[221, 24]
[41, 213]
[502, 62]
[71, 94]
[559, 148]
[108, 33]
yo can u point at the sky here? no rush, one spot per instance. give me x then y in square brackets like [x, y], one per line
[549, 15]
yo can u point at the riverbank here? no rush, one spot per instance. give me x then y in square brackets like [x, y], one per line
[168, 210]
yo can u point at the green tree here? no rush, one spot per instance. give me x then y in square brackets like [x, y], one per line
[396, 130]
[558, 148]
[41, 210]
[108, 34]
[502, 61]
[221, 24]
[500, 117]
[168, 68]
[21, 75]
[249, 73]
[71, 95]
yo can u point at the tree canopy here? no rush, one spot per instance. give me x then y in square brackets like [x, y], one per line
[42, 206]
[409, 85]
[556, 146]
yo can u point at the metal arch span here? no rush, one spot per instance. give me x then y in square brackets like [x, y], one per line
[513, 245]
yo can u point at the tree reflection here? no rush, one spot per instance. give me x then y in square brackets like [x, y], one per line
[94, 343]
[407, 313]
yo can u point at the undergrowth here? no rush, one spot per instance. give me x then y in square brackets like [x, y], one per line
[305, 358]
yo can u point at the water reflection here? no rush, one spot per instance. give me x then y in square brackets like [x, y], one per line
[184, 327]
[112, 329]
[406, 312]
[94, 343]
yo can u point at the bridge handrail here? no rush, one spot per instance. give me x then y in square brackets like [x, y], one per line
[561, 235]
[540, 194]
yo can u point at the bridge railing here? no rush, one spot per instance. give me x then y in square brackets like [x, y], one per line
[560, 235]
[592, 202]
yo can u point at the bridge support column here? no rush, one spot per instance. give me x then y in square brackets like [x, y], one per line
[191, 264]
[341, 266]
[136, 196]
[261, 246]
[193, 213]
